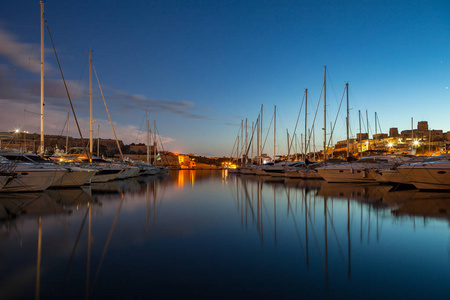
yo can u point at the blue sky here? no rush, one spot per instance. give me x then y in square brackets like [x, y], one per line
[200, 67]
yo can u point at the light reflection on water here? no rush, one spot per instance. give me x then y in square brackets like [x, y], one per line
[204, 234]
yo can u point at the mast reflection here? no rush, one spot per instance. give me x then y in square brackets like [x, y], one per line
[342, 204]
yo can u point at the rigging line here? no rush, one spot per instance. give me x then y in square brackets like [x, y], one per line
[107, 111]
[160, 141]
[331, 83]
[265, 140]
[64, 127]
[82, 73]
[106, 245]
[335, 120]
[67, 91]
[139, 132]
[379, 125]
[298, 117]
[314, 120]
[251, 139]
[235, 142]
[72, 254]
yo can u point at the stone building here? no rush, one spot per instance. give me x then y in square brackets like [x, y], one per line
[393, 132]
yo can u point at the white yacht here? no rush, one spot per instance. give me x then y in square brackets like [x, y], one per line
[391, 175]
[428, 175]
[74, 176]
[28, 177]
[293, 170]
[358, 171]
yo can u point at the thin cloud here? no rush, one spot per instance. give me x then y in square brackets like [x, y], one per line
[19, 53]
[134, 100]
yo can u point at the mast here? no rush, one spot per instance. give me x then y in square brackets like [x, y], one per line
[41, 148]
[348, 143]
[253, 128]
[376, 137]
[325, 115]
[67, 133]
[246, 141]
[261, 140]
[148, 139]
[314, 143]
[258, 122]
[288, 154]
[109, 117]
[155, 150]
[98, 140]
[274, 131]
[368, 139]
[360, 137]
[331, 140]
[242, 142]
[90, 108]
[306, 116]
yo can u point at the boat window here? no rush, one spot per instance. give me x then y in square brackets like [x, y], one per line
[441, 172]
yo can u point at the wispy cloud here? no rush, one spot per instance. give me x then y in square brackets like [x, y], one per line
[19, 53]
[129, 101]
[232, 124]
[25, 91]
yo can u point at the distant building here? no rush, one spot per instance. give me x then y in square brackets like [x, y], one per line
[422, 126]
[362, 136]
[393, 132]
[380, 136]
[185, 162]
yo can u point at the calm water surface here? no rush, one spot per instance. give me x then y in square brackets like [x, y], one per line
[203, 234]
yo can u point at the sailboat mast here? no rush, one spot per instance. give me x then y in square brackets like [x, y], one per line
[348, 143]
[90, 108]
[368, 136]
[261, 140]
[67, 133]
[246, 142]
[325, 115]
[360, 137]
[288, 153]
[148, 139]
[274, 131]
[242, 142]
[154, 142]
[41, 148]
[306, 116]
[376, 137]
[253, 130]
[98, 140]
[258, 122]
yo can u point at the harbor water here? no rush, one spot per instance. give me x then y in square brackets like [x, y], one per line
[213, 235]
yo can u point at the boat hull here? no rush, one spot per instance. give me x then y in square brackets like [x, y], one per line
[428, 177]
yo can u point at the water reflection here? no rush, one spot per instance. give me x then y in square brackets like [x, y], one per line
[330, 220]
[198, 234]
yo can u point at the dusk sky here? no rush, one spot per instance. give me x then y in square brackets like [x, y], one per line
[200, 67]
